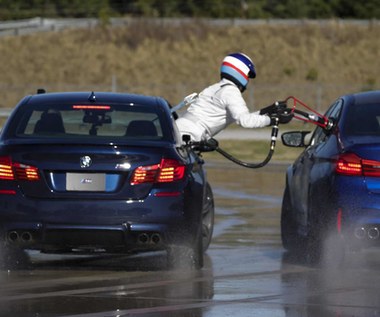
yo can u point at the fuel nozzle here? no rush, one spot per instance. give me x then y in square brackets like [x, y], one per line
[329, 124]
[320, 120]
[324, 122]
[312, 116]
[281, 105]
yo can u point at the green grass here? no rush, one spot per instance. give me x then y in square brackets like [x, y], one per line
[175, 61]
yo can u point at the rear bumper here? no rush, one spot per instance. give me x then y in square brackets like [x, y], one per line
[152, 224]
[127, 237]
[361, 227]
[360, 211]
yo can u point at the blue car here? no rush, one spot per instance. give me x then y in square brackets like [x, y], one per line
[331, 201]
[102, 172]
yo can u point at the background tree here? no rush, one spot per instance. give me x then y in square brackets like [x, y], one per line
[251, 9]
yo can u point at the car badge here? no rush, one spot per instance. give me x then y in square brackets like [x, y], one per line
[123, 166]
[85, 161]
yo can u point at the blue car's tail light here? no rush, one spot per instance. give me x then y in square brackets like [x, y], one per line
[26, 172]
[145, 174]
[351, 164]
[6, 171]
[371, 168]
[7, 192]
[11, 170]
[168, 170]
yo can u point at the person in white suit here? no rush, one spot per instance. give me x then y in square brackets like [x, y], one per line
[222, 103]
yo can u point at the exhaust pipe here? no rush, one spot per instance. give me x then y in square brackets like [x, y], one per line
[13, 236]
[360, 233]
[143, 238]
[373, 233]
[156, 238]
[26, 237]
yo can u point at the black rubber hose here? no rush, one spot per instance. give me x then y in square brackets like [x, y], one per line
[246, 164]
[254, 165]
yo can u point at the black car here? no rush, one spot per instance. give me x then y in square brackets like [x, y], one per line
[102, 172]
[331, 202]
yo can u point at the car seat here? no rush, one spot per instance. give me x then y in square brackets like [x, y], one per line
[50, 122]
[141, 128]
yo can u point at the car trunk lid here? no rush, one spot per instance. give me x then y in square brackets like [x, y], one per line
[82, 172]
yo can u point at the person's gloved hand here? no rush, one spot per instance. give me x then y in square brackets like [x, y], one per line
[283, 118]
[206, 145]
[212, 144]
[274, 108]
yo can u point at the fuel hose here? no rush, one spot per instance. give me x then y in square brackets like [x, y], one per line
[314, 117]
[212, 143]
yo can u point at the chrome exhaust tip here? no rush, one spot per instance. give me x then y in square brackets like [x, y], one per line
[156, 238]
[26, 237]
[13, 236]
[360, 233]
[373, 233]
[143, 238]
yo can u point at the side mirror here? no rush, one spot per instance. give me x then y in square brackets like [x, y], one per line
[294, 138]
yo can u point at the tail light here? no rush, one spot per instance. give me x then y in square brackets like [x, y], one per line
[371, 168]
[6, 171]
[26, 172]
[168, 170]
[11, 170]
[351, 164]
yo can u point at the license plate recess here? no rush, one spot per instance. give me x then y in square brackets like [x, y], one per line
[85, 182]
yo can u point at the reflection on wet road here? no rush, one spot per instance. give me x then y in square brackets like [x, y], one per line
[246, 271]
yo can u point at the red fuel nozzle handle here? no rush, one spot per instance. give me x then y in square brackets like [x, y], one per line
[310, 116]
[313, 117]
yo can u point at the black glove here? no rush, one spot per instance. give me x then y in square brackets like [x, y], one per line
[282, 118]
[206, 145]
[274, 108]
[212, 144]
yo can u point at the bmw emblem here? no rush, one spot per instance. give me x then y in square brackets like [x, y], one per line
[85, 161]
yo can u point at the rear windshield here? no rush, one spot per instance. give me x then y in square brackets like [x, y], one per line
[91, 121]
[363, 120]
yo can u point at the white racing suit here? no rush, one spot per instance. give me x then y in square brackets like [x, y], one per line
[216, 107]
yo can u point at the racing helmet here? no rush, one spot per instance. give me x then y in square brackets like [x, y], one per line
[238, 68]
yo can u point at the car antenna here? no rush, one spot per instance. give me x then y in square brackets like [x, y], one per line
[92, 97]
[41, 91]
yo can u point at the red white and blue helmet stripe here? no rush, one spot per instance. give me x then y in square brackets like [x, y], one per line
[238, 67]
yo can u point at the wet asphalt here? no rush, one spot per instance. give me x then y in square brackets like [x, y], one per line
[246, 273]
